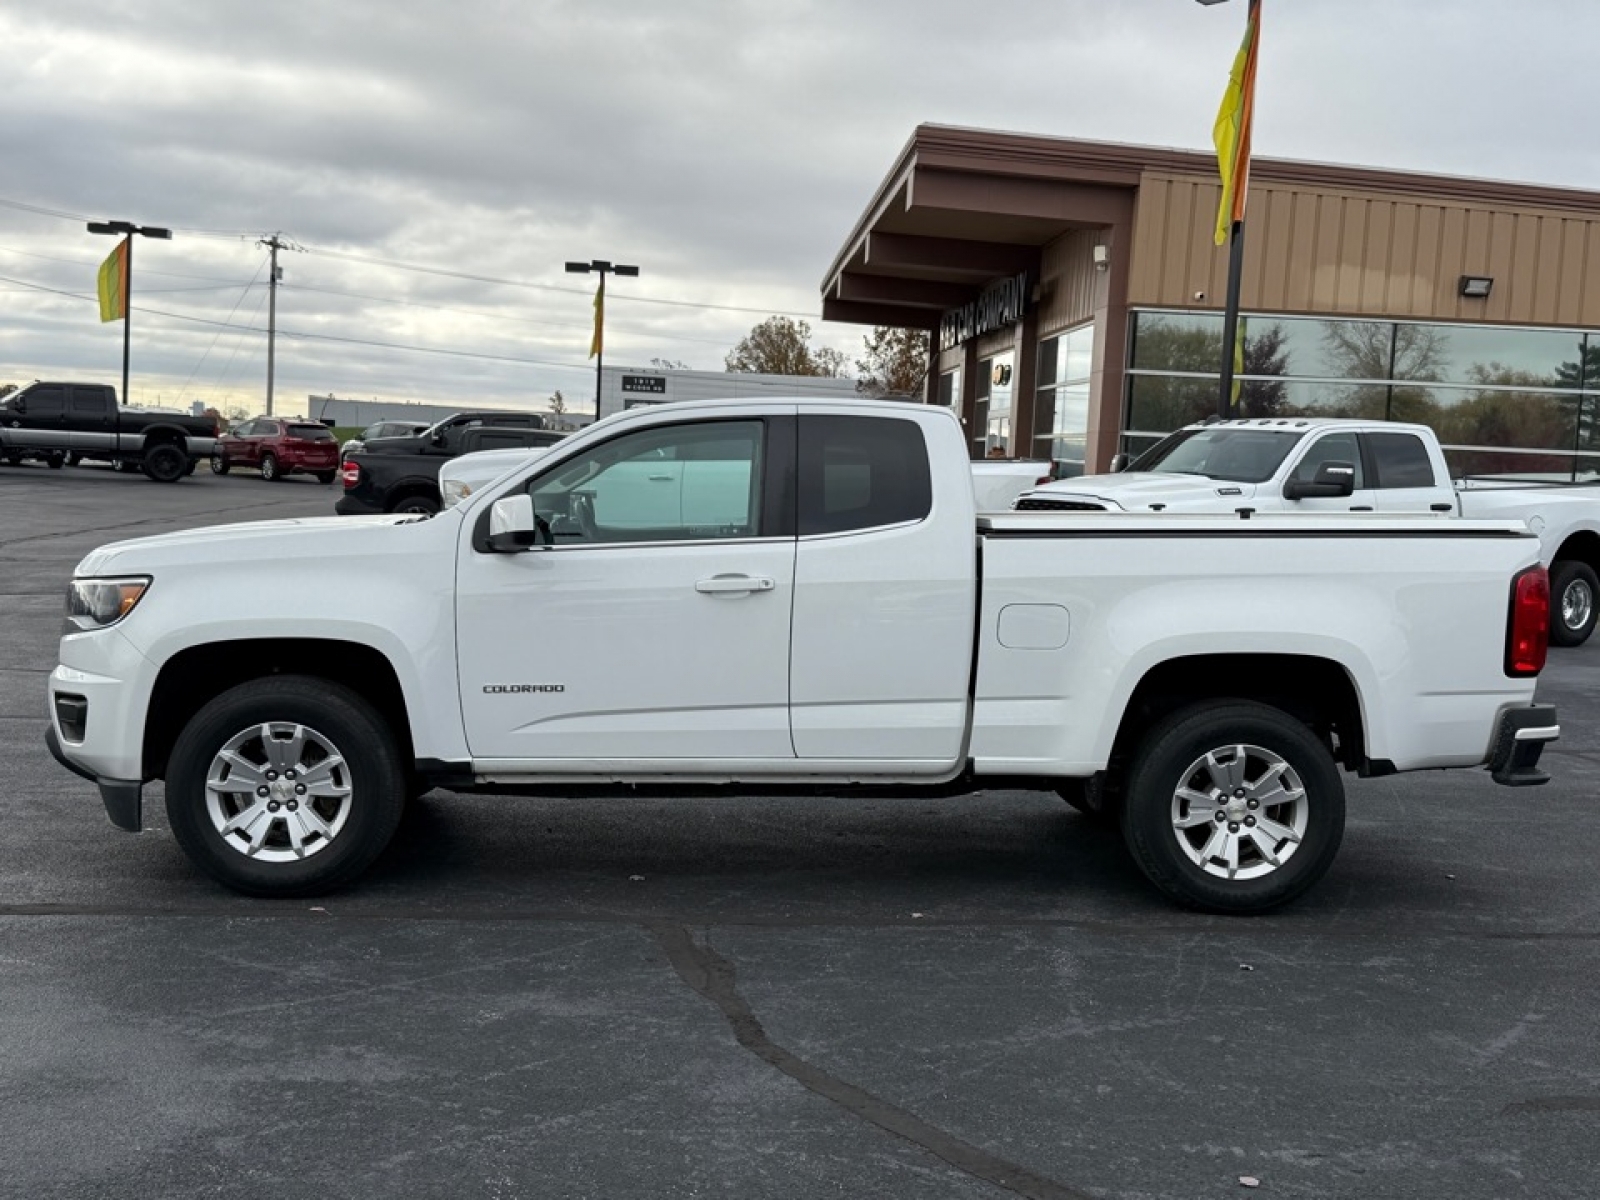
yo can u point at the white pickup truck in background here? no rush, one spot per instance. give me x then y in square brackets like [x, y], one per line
[842, 619]
[1328, 464]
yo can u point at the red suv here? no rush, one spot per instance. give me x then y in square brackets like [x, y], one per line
[278, 448]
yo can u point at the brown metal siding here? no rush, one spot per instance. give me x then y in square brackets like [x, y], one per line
[1071, 285]
[1334, 251]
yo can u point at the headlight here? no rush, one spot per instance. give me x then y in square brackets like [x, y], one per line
[454, 492]
[97, 603]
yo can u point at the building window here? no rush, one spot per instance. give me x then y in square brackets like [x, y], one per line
[1061, 410]
[1503, 401]
[994, 390]
[949, 393]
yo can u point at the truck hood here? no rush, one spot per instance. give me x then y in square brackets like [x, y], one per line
[315, 540]
[1137, 491]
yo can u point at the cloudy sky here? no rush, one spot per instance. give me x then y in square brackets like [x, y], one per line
[436, 164]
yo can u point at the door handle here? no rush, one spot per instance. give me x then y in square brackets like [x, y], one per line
[661, 478]
[1361, 508]
[735, 583]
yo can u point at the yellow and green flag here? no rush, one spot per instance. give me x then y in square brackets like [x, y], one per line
[595, 346]
[1231, 133]
[113, 284]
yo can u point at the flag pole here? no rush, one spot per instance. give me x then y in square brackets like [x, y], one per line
[1232, 134]
[127, 314]
[1230, 320]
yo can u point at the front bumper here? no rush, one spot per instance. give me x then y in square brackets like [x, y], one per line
[123, 798]
[1520, 737]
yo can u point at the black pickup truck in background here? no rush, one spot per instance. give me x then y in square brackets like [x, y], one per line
[401, 475]
[62, 422]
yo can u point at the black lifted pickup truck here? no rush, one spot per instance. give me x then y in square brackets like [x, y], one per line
[63, 422]
[401, 475]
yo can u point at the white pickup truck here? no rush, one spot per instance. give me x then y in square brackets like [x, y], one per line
[1329, 464]
[842, 621]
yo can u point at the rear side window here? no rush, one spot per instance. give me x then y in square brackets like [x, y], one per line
[84, 403]
[861, 473]
[311, 433]
[1400, 460]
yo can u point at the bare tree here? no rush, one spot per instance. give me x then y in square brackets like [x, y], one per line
[669, 364]
[896, 362]
[782, 346]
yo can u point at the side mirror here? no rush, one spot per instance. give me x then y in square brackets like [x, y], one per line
[1119, 462]
[513, 526]
[1333, 480]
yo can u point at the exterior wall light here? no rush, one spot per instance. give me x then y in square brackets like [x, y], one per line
[1476, 286]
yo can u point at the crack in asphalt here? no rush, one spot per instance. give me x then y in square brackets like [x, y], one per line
[712, 977]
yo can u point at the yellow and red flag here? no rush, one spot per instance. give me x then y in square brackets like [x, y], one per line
[595, 346]
[113, 284]
[1231, 133]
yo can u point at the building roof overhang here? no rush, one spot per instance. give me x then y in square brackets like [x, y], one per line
[963, 207]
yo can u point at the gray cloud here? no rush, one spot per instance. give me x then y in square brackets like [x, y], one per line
[725, 146]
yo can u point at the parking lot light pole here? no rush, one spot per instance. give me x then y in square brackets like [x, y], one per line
[127, 229]
[597, 343]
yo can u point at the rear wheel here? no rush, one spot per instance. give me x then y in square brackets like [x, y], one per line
[269, 467]
[1573, 591]
[56, 461]
[165, 463]
[418, 502]
[1233, 807]
[73, 458]
[327, 476]
[285, 786]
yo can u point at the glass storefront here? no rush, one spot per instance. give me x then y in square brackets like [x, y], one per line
[1061, 409]
[1503, 401]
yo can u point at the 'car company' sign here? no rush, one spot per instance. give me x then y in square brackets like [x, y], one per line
[1000, 305]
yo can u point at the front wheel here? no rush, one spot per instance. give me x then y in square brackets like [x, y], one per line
[327, 476]
[269, 467]
[1573, 589]
[285, 786]
[165, 463]
[1233, 807]
[56, 461]
[219, 463]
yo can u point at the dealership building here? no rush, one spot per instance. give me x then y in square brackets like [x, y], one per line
[1074, 295]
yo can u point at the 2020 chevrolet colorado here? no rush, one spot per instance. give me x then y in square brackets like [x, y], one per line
[772, 594]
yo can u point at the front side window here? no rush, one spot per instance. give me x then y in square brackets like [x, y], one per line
[862, 473]
[1335, 447]
[679, 483]
[45, 402]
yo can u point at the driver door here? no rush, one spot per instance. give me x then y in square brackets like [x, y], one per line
[652, 626]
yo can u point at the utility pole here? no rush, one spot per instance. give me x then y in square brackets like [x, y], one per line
[276, 243]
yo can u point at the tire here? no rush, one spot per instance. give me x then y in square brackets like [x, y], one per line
[56, 461]
[327, 476]
[73, 458]
[1574, 590]
[417, 502]
[220, 464]
[189, 468]
[269, 468]
[164, 462]
[1284, 777]
[319, 845]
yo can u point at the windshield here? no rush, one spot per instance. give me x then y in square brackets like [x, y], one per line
[1235, 454]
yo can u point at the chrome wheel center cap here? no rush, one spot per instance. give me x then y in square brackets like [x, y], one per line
[282, 790]
[1236, 811]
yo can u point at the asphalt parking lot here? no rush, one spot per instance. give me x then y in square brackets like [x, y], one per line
[776, 998]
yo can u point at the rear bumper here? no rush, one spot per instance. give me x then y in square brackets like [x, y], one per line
[349, 506]
[1520, 737]
[123, 798]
